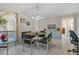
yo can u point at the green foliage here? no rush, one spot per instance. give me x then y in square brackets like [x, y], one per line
[2, 21]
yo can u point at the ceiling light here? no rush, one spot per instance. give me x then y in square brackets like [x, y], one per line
[37, 17]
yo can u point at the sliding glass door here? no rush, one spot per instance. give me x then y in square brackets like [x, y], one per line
[10, 27]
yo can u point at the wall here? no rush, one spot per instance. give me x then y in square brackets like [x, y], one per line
[22, 27]
[57, 34]
[44, 22]
[54, 20]
[77, 24]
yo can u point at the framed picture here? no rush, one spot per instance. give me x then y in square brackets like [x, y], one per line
[51, 26]
[27, 23]
[22, 20]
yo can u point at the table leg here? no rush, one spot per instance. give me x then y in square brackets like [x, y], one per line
[31, 45]
[37, 46]
[47, 47]
[23, 46]
[37, 43]
[78, 48]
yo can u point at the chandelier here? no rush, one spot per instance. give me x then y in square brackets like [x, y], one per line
[37, 17]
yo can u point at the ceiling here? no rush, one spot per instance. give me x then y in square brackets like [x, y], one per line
[45, 9]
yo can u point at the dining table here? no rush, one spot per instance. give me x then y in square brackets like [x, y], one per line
[33, 36]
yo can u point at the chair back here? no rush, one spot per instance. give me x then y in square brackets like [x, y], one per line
[42, 31]
[73, 36]
[24, 34]
[28, 31]
[49, 36]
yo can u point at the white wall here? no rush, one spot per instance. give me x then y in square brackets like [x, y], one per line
[23, 27]
[77, 24]
[56, 20]
[46, 21]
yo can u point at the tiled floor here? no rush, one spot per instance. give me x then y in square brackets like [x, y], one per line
[55, 49]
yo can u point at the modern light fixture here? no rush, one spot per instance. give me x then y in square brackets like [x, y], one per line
[37, 17]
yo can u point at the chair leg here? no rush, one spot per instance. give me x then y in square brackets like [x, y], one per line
[47, 49]
[77, 49]
[23, 47]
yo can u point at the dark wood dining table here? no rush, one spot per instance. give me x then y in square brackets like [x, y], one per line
[31, 36]
[35, 33]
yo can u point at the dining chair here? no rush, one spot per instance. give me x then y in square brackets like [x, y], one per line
[28, 39]
[45, 41]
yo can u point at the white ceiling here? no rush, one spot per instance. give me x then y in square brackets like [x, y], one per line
[46, 9]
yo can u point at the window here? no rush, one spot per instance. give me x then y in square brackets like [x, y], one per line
[10, 27]
[68, 24]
